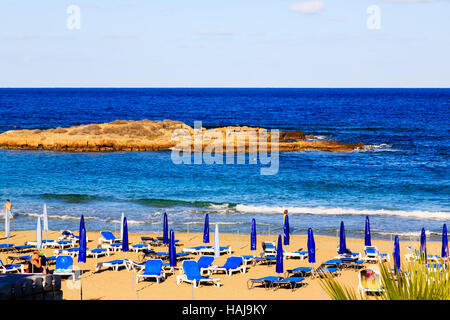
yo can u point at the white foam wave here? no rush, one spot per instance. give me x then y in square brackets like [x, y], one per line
[438, 215]
[55, 216]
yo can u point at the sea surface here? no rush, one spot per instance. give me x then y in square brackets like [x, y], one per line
[402, 184]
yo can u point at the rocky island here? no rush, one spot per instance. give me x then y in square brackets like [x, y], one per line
[152, 135]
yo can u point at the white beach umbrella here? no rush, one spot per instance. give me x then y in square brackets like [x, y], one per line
[121, 226]
[38, 234]
[45, 218]
[7, 223]
[216, 242]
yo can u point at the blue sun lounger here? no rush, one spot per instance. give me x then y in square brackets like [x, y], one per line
[303, 271]
[114, 264]
[204, 262]
[24, 248]
[6, 268]
[233, 264]
[326, 271]
[291, 282]
[192, 275]
[108, 237]
[6, 247]
[153, 270]
[267, 282]
[64, 266]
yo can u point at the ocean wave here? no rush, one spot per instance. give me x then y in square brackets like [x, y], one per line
[72, 197]
[155, 202]
[55, 216]
[438, 215]
[407, 234]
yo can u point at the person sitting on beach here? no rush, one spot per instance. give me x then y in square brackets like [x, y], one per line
[7, 207]
[37, 263]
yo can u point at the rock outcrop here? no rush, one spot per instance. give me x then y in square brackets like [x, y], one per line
[148, 135]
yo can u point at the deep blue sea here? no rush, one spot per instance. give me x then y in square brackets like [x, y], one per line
[403, 184]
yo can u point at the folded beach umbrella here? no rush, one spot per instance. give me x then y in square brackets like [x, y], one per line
[172, 250]
[396, 255]
[121, 226]
[165, 230]
[279, 266]
[342, 245]
[206, 230]
[125, 234]
[311, 247]
[423, 245]
[45, 218]
[444, 253]
[286, 230]
[253, 236]
[7, 224]
[367, 240]
[82, 241]
[38, 234]
[216, 242]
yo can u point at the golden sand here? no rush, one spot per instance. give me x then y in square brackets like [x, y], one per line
[109, 284]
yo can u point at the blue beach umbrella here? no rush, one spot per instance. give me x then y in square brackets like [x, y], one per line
[206, 230]
[423, 245]
[444, 252]
[367, 240]
[125, 234]
[172, 250]
[279, 266]
[253, 236]
[286, 230]
[38, 234]
[165, 230]
[342, 245]
[311, 247]
[396, 255]
[82, 252]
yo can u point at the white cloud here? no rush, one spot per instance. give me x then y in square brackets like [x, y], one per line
[308, 7]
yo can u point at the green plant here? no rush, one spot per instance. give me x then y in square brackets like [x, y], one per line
[415, 282]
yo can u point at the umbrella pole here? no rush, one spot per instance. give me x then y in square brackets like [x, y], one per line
[81, 285]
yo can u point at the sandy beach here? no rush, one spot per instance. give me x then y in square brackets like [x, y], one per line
[109, 284]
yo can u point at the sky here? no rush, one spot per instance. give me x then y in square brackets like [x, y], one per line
[228, 43]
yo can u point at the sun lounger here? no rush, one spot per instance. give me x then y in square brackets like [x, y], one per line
[108, 237]
[267, 282]
[97, 252]
[153, 270]
[64, 266]
[194, 250]
[416, 255]
[24, 248]
[130, 264]
[291, 282]
[248, 259]
[6, 247]
[114, 264]
[204, 262]
[369, 282]
[22, 259]
[296, 254]
[210, 250]
[326, 270]
[303, 271]
[265, 260]
[233, 264]
[192, 275]
[112, 246]
[372, 254]
[6, 268]
[68, 252]
[336, 263]
[140, 246]
[269, 247]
